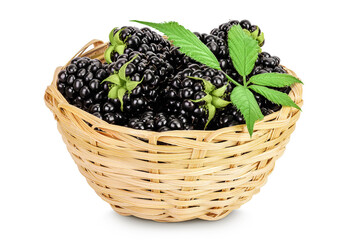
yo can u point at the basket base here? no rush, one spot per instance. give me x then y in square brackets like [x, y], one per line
[167, 218]
[160, 208]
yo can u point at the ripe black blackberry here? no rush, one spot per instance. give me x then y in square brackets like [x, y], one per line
[216, 41]
[158, 122]
[142, 40]
[269, 64]
[178, 60]
[177, 96]
[109, 111]
[150, 68]
[230, 116]
[218, 45]
[222, 31]
[80, 82]
[227, 117]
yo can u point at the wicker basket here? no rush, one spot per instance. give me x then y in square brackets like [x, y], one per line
[176, 175]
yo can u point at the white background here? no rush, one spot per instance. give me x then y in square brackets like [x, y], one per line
[313, 192]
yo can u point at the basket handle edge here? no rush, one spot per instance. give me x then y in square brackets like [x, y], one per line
[94, 42]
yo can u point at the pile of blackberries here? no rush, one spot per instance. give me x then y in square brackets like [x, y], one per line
[163, 100]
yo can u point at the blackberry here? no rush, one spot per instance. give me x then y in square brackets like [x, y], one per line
[108, 110]
[181, 91]
[144, 40]
[230, 116]
[216, 41]
[219, 48]
[227, 117]
[158, 122]
[152, 70]
[268, 64]
[80, 83]
[77, 81]
[179, 60]
[222, 30]
[134, 39]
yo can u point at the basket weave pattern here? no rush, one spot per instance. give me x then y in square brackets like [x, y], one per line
[176, 175]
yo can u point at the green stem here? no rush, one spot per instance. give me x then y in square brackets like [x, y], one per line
[244, 81]
[232, 80]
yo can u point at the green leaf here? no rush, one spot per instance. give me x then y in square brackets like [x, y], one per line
[111, 36]
[232, 80]
[244, 101]
[107, 54]
[207, 99]
[122, 70]
[275, 96]
[261, 39]
[117, 40]
[219, 103]
[255, 33]
[247, 32]
[121, 93]
[130, 85]
[208, 86]
[188, 42]
[243, 50]
[274, 80]
[113, 79]
[120, 49]
[211, 113]
[113, 92]
[220, 91]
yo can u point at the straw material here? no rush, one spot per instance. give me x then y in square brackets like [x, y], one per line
[176, 175]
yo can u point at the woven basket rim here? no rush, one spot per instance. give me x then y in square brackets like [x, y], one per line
[101, 124]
